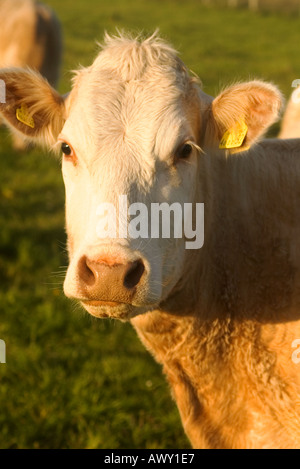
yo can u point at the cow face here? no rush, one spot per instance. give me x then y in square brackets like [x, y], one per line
[129, 147]
[132, 133]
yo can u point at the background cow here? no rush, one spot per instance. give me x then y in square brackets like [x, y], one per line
[30, 36]
[290, 126]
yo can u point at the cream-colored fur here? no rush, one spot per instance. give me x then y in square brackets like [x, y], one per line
[290, 125]
[221, 320]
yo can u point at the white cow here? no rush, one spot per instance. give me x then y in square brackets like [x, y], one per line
[137, 129]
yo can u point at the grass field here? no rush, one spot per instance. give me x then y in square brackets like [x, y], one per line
[71, 381]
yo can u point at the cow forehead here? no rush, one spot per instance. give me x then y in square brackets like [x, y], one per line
[113, 108]
[125, 134]
[128, 91]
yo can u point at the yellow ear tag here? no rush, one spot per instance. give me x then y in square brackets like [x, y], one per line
[234, 137]
[23, 116]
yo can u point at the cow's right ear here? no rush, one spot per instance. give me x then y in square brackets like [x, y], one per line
[242, 113]
[32, 107]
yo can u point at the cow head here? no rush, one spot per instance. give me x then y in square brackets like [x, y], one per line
[134, 133]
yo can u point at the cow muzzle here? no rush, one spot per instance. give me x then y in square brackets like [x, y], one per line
[110, 281]
[107, 286]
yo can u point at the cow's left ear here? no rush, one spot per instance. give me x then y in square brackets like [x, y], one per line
[242, 113]
[31, 106]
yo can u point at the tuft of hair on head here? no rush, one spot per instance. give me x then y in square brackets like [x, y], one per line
[132, 55]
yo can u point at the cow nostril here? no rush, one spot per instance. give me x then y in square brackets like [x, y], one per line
[134, 274]
[86, 272]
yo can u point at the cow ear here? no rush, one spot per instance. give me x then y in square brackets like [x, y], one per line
[30, 106]
[242, 114]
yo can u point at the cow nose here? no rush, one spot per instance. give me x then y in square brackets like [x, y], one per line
[108, 280]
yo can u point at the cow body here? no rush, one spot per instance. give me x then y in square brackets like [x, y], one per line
[225, 336]
[220, 319]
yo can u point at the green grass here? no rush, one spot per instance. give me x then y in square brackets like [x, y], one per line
[72, 381]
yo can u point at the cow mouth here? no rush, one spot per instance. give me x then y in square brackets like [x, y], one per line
[113, 309]
[101, 303]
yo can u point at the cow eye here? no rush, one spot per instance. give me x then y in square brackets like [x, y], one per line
[66, 149]
[68, 152]
[184, 151]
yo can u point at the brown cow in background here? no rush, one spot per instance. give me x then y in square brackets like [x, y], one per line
[30, 36]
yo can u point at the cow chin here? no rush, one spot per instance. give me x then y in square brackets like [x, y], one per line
[113, 310]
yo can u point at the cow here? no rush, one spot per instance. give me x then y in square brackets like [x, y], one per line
[290, 125]
[30, 36]
[221, 316]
